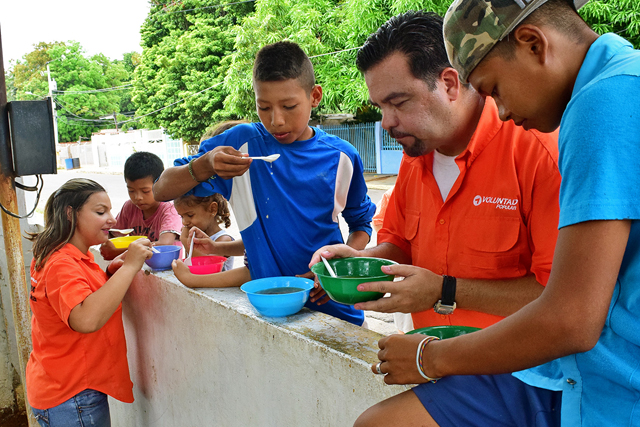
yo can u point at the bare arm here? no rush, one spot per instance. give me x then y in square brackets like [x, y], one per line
[421, 289]
[358, 239]
[96, 309]
[225, 162]
[202, 244]
[166, 239]
[109, 251]
[224, 279]
[567, 318]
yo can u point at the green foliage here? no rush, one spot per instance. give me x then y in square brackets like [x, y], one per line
[329, 31]
[79, 100]
[614, 16]
[183, 53]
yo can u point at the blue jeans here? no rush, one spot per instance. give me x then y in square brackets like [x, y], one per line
[87, 408]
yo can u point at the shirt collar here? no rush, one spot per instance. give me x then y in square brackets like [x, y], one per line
[599, 54]
[487, 128]
[75, 253]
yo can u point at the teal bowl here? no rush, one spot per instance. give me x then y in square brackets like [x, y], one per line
[444, 331]
[278, 296]
[351, 272]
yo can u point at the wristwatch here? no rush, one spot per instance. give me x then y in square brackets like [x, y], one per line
[447, 303]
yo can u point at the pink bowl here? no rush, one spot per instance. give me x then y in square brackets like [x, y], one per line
[208, 264]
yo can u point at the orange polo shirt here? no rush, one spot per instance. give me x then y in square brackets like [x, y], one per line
[500, 218]
[64, 362]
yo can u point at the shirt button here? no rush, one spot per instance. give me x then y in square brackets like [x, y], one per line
[442, 221]
[571, 381]
[443, 316]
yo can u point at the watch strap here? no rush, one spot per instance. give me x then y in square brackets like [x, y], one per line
[448, 290]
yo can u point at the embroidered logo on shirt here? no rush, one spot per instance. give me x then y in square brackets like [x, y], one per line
[500, 202]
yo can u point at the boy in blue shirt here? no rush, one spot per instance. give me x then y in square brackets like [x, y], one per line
[546, 68]
[287, 209]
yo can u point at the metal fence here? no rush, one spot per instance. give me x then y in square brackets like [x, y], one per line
[389, 143]
[362, 136]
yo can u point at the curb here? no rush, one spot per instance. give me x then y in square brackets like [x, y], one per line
[379, 187]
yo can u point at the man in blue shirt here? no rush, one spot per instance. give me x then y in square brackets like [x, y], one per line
[288, 208]
[546, 68]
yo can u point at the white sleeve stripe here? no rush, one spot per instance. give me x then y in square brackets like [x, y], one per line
[241, 200]
[343, 183]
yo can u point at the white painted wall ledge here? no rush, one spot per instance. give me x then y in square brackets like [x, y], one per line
[205, 357]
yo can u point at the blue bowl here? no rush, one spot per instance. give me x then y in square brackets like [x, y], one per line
[278, 296]
[162, 260]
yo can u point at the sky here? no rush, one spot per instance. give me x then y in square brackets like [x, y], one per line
[111, 27]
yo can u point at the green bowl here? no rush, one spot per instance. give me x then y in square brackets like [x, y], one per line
[351, 272]
[444, 331]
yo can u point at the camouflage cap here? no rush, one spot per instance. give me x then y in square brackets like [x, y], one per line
[472, 27]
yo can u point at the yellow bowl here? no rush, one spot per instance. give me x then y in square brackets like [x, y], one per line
[123, 242]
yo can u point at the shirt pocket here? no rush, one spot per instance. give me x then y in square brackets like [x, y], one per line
[491, 244]
[411, 225]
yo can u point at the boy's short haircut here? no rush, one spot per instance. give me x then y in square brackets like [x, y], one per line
[143, 165]
[418, 35]
[473, 27]
[283, 61]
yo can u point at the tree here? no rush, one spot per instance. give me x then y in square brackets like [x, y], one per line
[614, 16]
[194, 46]
[29, 74]
[329, 31]
[84, 86]
[179, 82]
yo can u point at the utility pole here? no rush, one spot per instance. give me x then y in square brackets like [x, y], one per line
[115, 121]
[53, 86]
[13, 244]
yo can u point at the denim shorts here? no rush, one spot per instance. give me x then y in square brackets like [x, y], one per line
[489, 400]
[87, 408]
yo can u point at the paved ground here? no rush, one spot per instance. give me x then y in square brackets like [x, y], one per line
[113, 181]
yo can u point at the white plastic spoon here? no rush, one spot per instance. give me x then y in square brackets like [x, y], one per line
[124, 231]
[326, 264]
[187, 260]
[269, 159]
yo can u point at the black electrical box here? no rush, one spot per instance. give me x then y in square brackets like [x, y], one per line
[33, 144]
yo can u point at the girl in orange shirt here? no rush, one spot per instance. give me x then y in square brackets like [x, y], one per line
[79, 351]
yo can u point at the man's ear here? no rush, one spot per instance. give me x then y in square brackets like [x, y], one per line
[316, 96]
[532, 41]
[449, 77]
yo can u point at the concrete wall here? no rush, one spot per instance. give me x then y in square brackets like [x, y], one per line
[206, 357]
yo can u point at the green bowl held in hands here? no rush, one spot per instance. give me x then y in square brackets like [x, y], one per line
[444, 331]
[350, 273]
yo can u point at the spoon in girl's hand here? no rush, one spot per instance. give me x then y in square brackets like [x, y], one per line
[187, 261]
[123, 231]
[269, 159]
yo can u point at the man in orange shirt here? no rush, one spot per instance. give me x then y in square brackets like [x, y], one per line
[474, 213]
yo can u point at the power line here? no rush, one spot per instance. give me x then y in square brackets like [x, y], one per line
[167, 106]
[106, 89]
[75, 115]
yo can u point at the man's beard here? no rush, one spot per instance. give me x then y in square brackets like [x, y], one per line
[418, 148]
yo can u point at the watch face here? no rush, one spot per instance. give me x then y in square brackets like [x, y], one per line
[444, 309]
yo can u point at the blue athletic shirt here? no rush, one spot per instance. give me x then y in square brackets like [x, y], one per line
[599, 161]
[288, 209]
